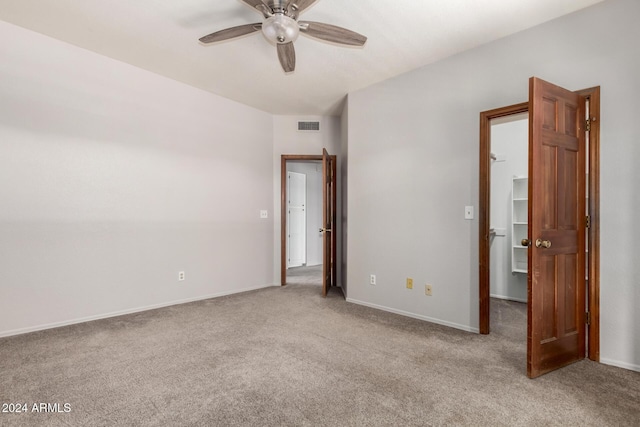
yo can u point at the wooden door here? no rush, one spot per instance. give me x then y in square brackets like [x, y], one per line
[556, 256]
[328, 221]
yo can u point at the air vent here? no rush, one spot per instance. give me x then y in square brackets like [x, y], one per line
[309, 126]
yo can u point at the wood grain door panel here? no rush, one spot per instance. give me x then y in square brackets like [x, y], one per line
[556, 279]
[328, 220]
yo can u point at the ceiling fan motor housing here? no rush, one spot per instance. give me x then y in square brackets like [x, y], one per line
[277, 4]
[280, 29]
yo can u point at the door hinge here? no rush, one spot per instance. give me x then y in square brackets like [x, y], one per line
[588, 221]
[587, 125]
[587, 318]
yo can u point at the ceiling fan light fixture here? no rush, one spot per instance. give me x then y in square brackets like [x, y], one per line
[280, 29]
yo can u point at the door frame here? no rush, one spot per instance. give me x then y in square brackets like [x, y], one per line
[284, 158]
[593, 259]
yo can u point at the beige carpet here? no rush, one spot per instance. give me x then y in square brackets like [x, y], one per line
[307, 275]
[288, 357]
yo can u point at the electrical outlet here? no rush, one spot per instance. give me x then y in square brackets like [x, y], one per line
[409, 283]
[181, 276]
[264, 214]
[428, 291]
[372, 279]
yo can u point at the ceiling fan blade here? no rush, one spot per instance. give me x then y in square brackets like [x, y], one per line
[254, 3]
[299, 6]
[231, 33]
[260, 6]
[332, 33]
[265, 10]
[287, 56]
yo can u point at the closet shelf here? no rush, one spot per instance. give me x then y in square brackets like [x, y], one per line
[519, 223]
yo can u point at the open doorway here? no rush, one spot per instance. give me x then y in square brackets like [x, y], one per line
[508, 218]
[291, 165]
[487, 235]
[508, 213]
[304, 222]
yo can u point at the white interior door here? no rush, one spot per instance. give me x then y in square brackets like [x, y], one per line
[296, 219]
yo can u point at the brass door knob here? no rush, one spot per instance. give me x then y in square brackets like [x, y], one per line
[525, 242]
[543, 243]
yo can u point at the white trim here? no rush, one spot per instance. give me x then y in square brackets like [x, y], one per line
[619, 364]
[416, 316]
[509, 298]
[123, 312]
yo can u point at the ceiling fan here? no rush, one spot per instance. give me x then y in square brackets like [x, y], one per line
[281, 27]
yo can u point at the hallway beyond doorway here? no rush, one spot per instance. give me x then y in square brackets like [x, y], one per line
[311, 275]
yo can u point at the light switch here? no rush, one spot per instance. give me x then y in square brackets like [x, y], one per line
[468, 212]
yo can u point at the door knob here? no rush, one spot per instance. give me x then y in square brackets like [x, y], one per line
[525, 242]
[543, 243]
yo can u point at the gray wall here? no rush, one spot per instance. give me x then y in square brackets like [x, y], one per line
[113, 179]
[344, 187]
[413, 166]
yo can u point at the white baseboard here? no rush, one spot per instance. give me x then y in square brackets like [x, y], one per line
[509, 298]
[123, 312]
[619, 364]
[415, 316]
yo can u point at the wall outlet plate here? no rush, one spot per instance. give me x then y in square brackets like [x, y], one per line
[468, 212]
[264, 214]
[181, 276]
[372, 279]
[428, 291]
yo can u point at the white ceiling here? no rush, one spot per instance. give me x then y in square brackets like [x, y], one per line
[162, 36]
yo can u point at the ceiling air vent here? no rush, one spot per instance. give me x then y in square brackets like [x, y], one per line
[309, 126]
